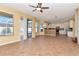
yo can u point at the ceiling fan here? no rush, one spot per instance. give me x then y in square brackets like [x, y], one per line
[39, 7]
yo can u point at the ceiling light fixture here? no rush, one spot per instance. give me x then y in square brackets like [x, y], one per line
[38, 9]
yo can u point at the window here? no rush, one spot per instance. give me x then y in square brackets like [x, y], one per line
[45, 25]
[41, 27]
[6, 24]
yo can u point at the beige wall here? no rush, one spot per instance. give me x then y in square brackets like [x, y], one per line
[71, 23]
[33, 28]
[16, 17]
[73, 27]
[37, 33]
[75, 23]
[13, 38]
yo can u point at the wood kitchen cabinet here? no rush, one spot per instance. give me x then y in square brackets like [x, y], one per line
[50, 31]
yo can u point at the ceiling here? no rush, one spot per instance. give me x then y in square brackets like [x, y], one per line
[57, 11]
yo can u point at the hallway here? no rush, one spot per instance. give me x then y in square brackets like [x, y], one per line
[42, 46]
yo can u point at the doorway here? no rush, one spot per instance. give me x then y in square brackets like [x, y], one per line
[57, 30]
[29, 28]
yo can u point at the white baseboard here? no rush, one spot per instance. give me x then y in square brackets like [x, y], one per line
[9, 42]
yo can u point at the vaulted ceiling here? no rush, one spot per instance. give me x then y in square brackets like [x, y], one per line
[57, 11]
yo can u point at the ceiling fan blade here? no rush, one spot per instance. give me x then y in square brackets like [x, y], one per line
[39, 5]
[44, 7]
[41, 11]
[34, 10]
[33, 6]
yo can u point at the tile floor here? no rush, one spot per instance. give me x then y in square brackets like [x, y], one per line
[42, 46]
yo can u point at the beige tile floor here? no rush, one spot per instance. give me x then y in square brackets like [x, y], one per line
[42, 46]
